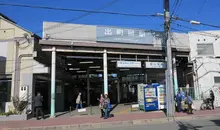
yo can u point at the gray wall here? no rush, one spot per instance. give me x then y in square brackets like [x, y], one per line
[28, 81]
[79, 32]
[65, 31]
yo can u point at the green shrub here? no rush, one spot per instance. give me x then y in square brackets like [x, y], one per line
[8, 113]
[11, 113]
[19, 104]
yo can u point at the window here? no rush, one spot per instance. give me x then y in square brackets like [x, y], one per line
[205, 49]
[5, 90]
[217, 80]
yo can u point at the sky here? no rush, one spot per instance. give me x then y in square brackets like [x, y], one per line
[32, 19]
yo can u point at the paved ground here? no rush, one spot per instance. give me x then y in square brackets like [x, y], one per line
[95, 110]
[96, 122]
[211, 124]
[119, 109]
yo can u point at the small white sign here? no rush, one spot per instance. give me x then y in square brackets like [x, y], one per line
[128, 64]
[158, 65]
[135, 106]
[82, 110]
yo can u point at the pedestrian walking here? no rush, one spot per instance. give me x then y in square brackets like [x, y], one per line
[101, 102]
[38, 104]
[212, 99]
[79, 101]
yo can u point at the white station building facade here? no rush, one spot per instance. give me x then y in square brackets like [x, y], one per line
[111, 60]
[95, 60]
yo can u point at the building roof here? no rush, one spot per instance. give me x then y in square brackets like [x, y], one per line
[14, 23]
[7, 18]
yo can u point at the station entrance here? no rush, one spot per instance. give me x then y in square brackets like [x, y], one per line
[84, 72]
[122, 82]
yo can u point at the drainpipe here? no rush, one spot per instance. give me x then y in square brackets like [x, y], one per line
[197, 80]
[17, 69]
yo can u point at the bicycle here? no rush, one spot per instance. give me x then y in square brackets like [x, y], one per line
[206, 105]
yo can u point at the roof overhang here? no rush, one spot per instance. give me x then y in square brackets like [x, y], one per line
[108, 45]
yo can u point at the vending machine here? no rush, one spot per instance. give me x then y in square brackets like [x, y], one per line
[150, 97]
[140, 92]
[161, 91]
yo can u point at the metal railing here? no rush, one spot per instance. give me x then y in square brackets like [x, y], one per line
[196, 94]
[190, 91]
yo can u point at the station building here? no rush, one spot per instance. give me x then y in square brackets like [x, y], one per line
[94, 60]
[113, 60]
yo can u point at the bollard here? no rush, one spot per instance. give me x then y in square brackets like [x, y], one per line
[70, 111]
[90, 109]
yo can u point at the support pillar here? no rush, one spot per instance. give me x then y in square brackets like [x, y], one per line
[88, 88]
[118, 90]
[145, 77]
[105, 67]
[53, 83]
[175, 76]
[118, 87]
[16, 73]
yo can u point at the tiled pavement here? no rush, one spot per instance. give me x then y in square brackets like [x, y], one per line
[88, 121]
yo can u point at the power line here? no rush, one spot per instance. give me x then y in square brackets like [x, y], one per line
[200, 10]
[88, 12]
[61, 24]
[77, 10]
[81, 16]
[200, 23]
[198, 31]
[190, 21]
[181, 1]
[174, 9]
[176, 2]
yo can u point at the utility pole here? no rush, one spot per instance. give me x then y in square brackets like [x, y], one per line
[169, 84]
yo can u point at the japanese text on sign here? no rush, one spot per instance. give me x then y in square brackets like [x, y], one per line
[123, 35]
[155, 65]
[124, 32]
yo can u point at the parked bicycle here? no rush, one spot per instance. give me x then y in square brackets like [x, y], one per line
[206, 105]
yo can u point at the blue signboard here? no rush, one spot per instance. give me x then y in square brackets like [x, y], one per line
[123, 35]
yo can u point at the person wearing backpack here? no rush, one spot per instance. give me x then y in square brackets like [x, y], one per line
[106, 103]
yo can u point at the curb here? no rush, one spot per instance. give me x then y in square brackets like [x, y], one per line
[118, 123]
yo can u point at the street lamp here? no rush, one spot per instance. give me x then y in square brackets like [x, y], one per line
[178, 18]
[195, 22]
